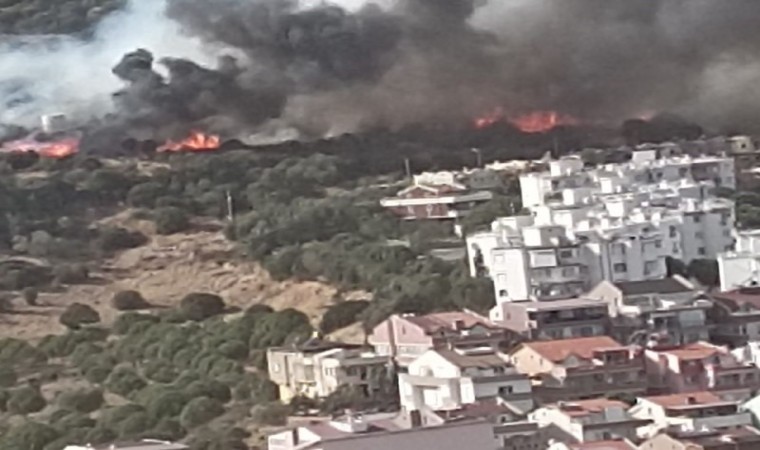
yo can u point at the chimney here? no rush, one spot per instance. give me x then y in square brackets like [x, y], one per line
[691, 400]
[415, 417]
[295, 439]
[459, 325]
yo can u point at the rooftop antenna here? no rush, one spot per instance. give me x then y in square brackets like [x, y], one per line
[230, 207]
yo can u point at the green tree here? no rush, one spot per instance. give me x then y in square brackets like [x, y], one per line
[199, 411]
[171, 220]
[82, 400]
[129, 301]
[274, 414]
[124, 381]
[29, 436]
[201, 306]
[705, 271]
[8, 376]
[341, 315]
[26, 400]
[78, 314]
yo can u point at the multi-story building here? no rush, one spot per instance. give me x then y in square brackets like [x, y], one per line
[444, 201]
[581, 368]
[740, 267]
[359, 432]
[554, 320]
[407, 336]
[738, 438]
[317, 369]
[591, 420]
[618, 222]
[445, 380]
[700, 366]
[736, 316]
[669, 310]
[692, 411]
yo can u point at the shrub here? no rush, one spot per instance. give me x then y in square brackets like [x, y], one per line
[200, 306]
[113, 417]
[114, 238]
[78, 314]
[8, 376]
[342, 315]
[199, 411]
[234, 350]
[274, 414]
[160, 370]
[100, 435]
[98, 374]
[15, 352]
[83, 400]
[168, 429]
[26, 400]
[166, 405]
[129, 301]
[134, 425]
[73, 420]
[124, 381]
[170, 220]
[124, 322]
[208, 388]
[71, 273]
[29, 436]
[30, 295]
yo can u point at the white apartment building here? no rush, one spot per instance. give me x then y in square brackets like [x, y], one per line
[741, 267]
[618, 222]
[442, 380]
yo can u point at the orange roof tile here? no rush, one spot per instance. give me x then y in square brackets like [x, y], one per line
[697, 350]
[686, 399]
[559, 350]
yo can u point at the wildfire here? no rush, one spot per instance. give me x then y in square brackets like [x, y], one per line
[196, 142]
[56, 150]
[535, 122]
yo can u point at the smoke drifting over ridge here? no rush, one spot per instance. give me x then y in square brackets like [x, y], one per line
[243, 66]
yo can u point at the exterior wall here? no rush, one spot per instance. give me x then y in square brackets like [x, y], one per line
[510, 274]
[738, 270]
[529, 362]
[399, 338]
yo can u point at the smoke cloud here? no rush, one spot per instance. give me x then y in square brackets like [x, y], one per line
[248, 67]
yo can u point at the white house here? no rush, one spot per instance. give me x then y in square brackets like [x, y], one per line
[441, 380]
[587, 420]
[618, 222]
[740, 267]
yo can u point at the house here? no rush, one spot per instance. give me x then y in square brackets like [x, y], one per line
[693, 411]
[740, 266]
[736, 316]
[557, 319]
[670, 309]
[581, 368]
[143, 444]
[738, 438]
[442, 201]
[317, 368]
[598, 419]
[443, 380]
[404, 337]
[617, 444]
[355, 432]
[700, 366]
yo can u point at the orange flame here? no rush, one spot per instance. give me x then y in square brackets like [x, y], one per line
[542, 121]
[535, 122]
[55, 150]
[196, 142]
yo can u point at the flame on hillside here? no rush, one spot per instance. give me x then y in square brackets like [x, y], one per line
[535, 122]
[55, 149]
[196, 142]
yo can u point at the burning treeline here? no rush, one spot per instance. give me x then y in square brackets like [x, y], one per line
[324, 69]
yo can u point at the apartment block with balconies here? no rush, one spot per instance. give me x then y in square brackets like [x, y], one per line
[558, 319]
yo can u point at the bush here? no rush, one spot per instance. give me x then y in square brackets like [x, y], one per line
[342, 315]
[113, 417]
[78, 314]
[160, 370]
[200, 411]
[98, 374]
[166, 405]
[124, 322]
[168, 429]
[273, 414]
[83, 400]
[201, 306]
[15, 352]
[129, 301]
[134, 425]
[30, 295]
[29, 436]
[26, 400]
[8, 377]
[100, 435]
[208, 388]
[71, 273]
[234, 349]
[124, 381]
[114, 238]
[170, 220]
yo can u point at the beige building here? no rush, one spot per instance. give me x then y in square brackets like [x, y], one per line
[558, 319]
[587, 420]
[317, 369]
[581, 368]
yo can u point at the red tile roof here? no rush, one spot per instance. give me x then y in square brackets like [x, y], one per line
[578, 408]
[695, 351]
[738, 297]
[584, 348]
[603, 445]
[691, 399]
[433, 323]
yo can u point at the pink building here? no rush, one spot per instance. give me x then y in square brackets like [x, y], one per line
[406, 337]
[698, 367]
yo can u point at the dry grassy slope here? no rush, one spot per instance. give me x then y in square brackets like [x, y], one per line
[165, 270]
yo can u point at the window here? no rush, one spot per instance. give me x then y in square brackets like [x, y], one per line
[650, 267]
[658, 243]
[505, 390]
[565, 253]
[673, 231]
[702, 251]
[503, 293]
[620, 267]
[682, 172]
[699, 235]
[697, 218]
[568, 272]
